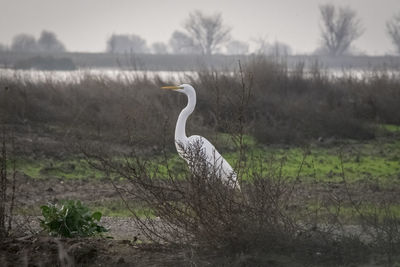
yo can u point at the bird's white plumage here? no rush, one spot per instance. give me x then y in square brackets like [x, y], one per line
[215, 162]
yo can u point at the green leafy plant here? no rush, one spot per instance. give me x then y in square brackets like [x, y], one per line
[71, 219]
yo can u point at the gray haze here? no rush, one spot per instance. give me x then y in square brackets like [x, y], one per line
[84, 25]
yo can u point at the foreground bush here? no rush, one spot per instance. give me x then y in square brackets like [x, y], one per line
[269, 215]
[71, 219]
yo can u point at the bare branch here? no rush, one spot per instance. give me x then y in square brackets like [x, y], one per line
[393, 29]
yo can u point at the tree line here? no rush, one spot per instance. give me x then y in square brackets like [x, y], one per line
[207, 34]
[47, 42]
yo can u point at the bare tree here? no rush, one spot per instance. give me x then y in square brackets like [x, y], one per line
[181, 43]
[159, 48]
[125, 43]
[24, 43]
[48, 42]
[236, 47]
[340, 27]
[393, 29]
[207, 32]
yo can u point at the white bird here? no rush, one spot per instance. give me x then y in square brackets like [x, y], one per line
[215, 162]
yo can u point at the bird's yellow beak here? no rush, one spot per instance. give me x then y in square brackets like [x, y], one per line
[172, 87]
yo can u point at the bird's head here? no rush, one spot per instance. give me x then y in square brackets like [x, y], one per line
[183, 88]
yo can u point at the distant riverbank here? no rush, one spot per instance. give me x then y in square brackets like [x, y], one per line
[170, 62]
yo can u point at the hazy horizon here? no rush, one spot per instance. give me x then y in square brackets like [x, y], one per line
[85, 25]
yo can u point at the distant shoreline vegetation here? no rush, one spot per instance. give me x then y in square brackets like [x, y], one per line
[45, 63]
[176, 62]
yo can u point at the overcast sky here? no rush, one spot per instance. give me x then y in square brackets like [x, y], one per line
[85, 25]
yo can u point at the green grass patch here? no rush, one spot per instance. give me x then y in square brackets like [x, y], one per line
[118, 208]
[51, 168]
[228, 141]
[109, 208]
[391, 128]
[372, 212]
[376, 159]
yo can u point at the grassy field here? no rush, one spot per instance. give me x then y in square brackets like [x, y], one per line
[318, 162]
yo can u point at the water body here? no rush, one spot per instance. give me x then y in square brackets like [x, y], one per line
[77, 76]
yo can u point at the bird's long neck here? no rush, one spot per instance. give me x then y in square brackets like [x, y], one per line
[180, 129]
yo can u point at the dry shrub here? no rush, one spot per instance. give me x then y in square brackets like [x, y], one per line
[193, 208]
[7, 182]
[92, 107]
[198, 207]
[377, 214]
[287, 106]
[383, 226]
[294, 106]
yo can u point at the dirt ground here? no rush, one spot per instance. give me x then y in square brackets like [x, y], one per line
[49, 251]
[40, 191]
[31, 247]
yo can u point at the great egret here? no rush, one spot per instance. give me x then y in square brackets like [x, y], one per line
[215, 162]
